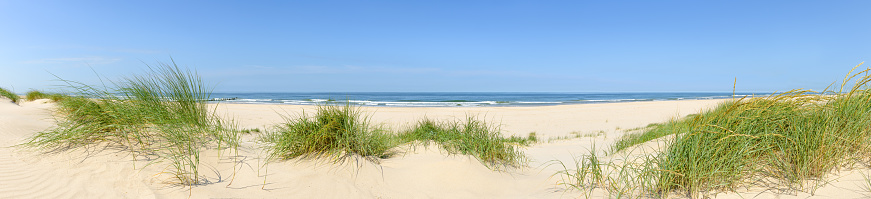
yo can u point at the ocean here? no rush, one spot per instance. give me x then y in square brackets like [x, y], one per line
[464, 99]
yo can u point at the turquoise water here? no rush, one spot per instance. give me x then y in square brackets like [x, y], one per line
[442, 99]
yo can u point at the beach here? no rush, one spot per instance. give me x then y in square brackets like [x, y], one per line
[564, 131]
[435, 99]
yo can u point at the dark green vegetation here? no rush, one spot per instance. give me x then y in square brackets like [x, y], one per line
[159, 115]
[8, 94]
[339, 132]
[34, 95]
[788, 141]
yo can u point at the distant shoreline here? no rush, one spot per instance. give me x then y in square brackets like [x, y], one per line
[459, 99]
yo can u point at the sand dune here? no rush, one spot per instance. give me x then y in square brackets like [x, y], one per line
[420, 172]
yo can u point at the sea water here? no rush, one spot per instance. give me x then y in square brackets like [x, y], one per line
[467, 99]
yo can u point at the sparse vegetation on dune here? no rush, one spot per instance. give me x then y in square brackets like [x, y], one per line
[790, 141]
[471, 137]
[624, 177]
[651, 132]
[34, 95]
[338, 132]
[160, 114]
[10, 95]
[576, 135]
[335, 132]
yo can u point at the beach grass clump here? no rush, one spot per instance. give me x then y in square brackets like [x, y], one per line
[10, 95]
[787, 138]
[786, 141]
[627, 177]
[161, 114]
[471, 137]
[334, 132]
[340, 132]
[35, 94]
[790, 140]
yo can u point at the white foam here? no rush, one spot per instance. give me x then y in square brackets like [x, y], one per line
[523, 102]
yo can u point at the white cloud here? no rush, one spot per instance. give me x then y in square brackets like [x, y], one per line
[91, 60]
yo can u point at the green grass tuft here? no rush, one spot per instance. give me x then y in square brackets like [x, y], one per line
[160, 114]
[627, 177]
[34, 95]
[340, 132]
[471, 137]
[335, 132]
[8, 94]
[790, 141]
[791, 138]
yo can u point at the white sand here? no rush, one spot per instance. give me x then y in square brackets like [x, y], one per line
[419, 173]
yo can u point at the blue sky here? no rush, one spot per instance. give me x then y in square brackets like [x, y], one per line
[523, 46]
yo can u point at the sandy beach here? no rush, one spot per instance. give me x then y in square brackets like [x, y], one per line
[419, 172]
[435, 99]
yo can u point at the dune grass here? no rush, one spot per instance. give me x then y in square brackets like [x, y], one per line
[576, 135]
[334, 132]
[651, 132]
[788, 141]
[624, 177]
[784, 139]
[34, 95]
[10, 95]
[340, 132]
[249, 131]
[471, 137]
[160, 114]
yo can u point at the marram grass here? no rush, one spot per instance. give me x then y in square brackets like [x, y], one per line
[34, 95]
[625, 177]
[340, 132]
[471, 137]
[160, 114]
[10, 95]
[333, 132]
[789, 141]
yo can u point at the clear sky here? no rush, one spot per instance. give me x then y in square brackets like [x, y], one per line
[523, 46]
